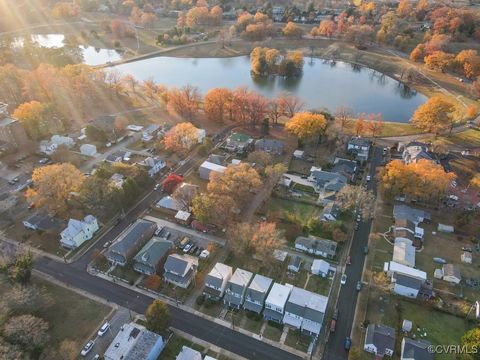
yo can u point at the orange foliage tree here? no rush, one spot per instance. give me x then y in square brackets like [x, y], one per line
[434, 116]
[292, 30]
[217, 104]
[153, 282]
[306, 125]
[184, 102]
[181, 137]
[439, 61]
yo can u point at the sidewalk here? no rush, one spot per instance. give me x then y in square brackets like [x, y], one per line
[200, 314]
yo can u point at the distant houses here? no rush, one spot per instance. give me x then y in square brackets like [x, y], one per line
[271, 146]
[239, 143]
[78, 231]
[152, 256]
[130, 242]
[359, 147]
[380, 340]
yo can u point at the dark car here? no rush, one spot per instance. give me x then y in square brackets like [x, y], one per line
[335, 314]
[348, 343]
[365, 250]
[193, 249]
[359, 285]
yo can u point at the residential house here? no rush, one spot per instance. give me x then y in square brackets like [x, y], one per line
[236, 288]
[239, 143]
[180, 270]
[169, 204]
[216, 281]
[305, 310]
[117, 180]
[207, 167]
[150, 259]
[380, 340]
[405, 224]
[153, 164]
[408, 237]
[404, 253]
[183, 217]
[298, 154]
[415, 350]
[7, 201]
[49, 147]
[392, 268]
[88, 150]
[320, 267]
[466, 257]
[407, 285]
[330, 212]
[407, 281]
[325, 181]
[12, 132]
[295, 264]
[107, 125]
[359, 147]
[276, 301]
[131, 241]
[217, 159]
[316, 246]
[416, 216]
[43, 222]
[78, 231]
[257, 293]
[271, 146]
[115, 157]
[150, 132]
[415, 151]
[451, 273]
[188, 354]
[345, 167]
[134, 341]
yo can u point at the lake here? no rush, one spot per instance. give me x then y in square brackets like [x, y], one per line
[322, 85]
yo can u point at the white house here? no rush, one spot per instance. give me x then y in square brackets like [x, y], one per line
[216, 281]
[154, 164]
[78, 231]
[404, 253]
[275, 302]
[117, 180]
[201, 134]
[331, 211]
[207, 167]
[320, 267]
[451, 273]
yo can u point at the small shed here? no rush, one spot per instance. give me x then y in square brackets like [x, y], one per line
[320, 267]
[298, 154]
[445, 228]
[88, 149]
[438, 274]
[407, 326]
[466, 257]
[183, 217]
[295, 264]
[280, 255]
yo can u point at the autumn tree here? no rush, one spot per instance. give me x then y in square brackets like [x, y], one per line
[289, 104]
[439, 61]
[292, 30]
[476, 87]
[469, 62]
[171, 182]
[20, 269]
[216, 104]
[326, 28]
[153, 282]
[259, 239]
[158, 317]
[425, 180]
[404, 8]
[237, 181]
[417, 53]
[343, 114]
[471, 341]
[28, 331]
[434, 116]
[22, 299]
[275, 172]
[34, 116]
[184, 102]
[214, 208]
[306, 125]
[438, 42]
[53, 185]
[261, 159]
[184, 194]
[360, 35]
[351, 198]
[475, 180]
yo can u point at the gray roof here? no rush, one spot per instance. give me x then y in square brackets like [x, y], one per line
[153, 252]
[412, 214]
[295, 261]
[216, 276]
[240, 277]
[452, 270]
[345, 167]
[327, 180]
[416, 349]
[258, 288]
[307, 304]
[408, 281]
[359, 141]
[180, 264]
[383, 337]
[45, 222]
[267, 144]
[316, 243]
[141, 230]
[114, 156]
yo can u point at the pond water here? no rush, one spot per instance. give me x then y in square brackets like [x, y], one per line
[322, 85]
[91, 55]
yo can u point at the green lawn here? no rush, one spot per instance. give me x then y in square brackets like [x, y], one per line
[252, 323]
[174, 346]
[297, 340]
[273, 331]
[302, 212]
[71, 316]
[125, 272]
[469, 137]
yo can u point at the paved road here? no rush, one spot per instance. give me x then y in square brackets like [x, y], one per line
[199, 327]
[348, 294]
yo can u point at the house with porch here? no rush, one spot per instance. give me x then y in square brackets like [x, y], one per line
[257, 293]
[236, 288]
[276, 301]
[78, 231]
[216, 281]
[380, 340]
[180, 270]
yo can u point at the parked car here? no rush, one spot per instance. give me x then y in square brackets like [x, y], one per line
[158, 231]
[156, 187]
[369, 178]
[349, 260]
[103, 330]
[199, 251]
[193, 249]
[335, 314]
[348, 343]
[343, 279]
[87, 348]
[43, 161]
[359, 285]
[384, 151]
[187, 247]
[365, 250]
[356, 226]
[359, 217]
[333, 325]
[468, 249]
[184, 242]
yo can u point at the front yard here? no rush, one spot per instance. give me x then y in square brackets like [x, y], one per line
[273, 331]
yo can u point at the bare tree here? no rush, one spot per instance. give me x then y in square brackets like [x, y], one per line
[290, 104]
[342, 115]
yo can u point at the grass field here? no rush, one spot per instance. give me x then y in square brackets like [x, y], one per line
[468, 138]
[319, 285]
[303, 212]
[297, 340]
[273, 331]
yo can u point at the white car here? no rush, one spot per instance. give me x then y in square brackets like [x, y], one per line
[157, 186]
[187, 248]
[103, 330]
[369, 178]
[87, 348]
[343, 279]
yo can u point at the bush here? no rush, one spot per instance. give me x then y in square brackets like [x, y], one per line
[200, 300]
[209, 303]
